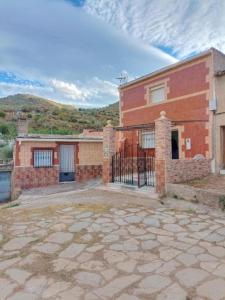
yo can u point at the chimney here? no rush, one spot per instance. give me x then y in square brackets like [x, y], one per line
[22, 127]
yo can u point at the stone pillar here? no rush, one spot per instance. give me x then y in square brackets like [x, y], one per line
[163, 151]
[109, 148]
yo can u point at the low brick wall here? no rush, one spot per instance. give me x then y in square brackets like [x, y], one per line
[186, 192]
[86, 172]
[183, 170]
[29, 177]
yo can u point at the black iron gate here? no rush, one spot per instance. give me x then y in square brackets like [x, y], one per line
[136, 170]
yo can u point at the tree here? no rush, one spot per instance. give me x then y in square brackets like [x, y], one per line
[8, 131]
[2, 114]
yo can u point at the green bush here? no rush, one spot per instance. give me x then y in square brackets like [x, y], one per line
[2, 114]
[222, 201]
[8, 131]
[6, 152]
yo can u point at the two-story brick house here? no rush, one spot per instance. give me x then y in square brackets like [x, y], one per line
[192, 93]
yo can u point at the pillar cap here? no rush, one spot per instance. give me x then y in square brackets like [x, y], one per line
[162, 114]
[109, 123]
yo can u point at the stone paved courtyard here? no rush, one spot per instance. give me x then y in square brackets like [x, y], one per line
[121, 251]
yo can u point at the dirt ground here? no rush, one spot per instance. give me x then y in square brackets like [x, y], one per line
[212, 182]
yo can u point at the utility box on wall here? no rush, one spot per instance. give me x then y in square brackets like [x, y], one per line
[213, 105]
[188, 143]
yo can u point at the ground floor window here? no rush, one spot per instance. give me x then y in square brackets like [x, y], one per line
[43, 158]
[148, 139]
[175, 144]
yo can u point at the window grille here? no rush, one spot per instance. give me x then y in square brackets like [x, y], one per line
[43, 158]
[148, 139]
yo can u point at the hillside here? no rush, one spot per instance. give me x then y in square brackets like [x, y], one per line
[28, 102]
[50, 117]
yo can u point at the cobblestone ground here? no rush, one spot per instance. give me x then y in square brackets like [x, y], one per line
[124, 252]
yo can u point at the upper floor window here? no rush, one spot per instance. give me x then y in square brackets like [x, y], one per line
[157, 94]
[43, 158]
[148, 139]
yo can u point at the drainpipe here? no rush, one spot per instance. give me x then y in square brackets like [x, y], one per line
[213, 164]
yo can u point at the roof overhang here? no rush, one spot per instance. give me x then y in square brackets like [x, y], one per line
[151, 126]
[61, 140]
[135, 127]
[168, 68]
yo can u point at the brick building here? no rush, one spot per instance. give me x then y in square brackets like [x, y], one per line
[172, 125]
[41, 160]
[192, 93]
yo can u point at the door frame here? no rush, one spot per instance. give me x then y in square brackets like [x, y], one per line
[178, 142]
[62, 179]
[223, 146]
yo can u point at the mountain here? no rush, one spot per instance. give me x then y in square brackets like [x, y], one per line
[28, 102]
[47, 116]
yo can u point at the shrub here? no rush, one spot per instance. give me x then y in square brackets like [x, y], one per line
[6, 152]
[222, 202]
[2, 114]
[8, 131]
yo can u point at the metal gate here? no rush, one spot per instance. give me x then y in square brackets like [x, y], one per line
[5, 186]
[133, 170]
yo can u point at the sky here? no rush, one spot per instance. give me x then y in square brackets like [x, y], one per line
[73, 51]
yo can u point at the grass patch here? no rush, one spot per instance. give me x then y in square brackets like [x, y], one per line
[190, 211]
[11, 205]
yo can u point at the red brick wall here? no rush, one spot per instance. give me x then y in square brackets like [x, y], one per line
[133, 94]
[188, 81]
[182, 170]
[84, 173]
[190, 108]
[29, 177]
[16, 153]
[187, 100]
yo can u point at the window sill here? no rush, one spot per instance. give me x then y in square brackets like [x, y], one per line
[45, 167]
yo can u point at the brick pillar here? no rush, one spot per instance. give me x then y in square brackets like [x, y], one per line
[163, 150]
[109, 148]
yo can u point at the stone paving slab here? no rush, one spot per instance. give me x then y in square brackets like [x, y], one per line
[125, 251]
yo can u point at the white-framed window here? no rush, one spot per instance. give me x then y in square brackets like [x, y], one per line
[43, 158]
[157, 94]
[148, 139]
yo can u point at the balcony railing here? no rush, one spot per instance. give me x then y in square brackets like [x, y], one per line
[8, 161]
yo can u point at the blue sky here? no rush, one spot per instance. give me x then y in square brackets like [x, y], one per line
[72, 51]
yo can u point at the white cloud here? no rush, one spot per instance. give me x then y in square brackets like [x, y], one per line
[185, 26]
[69, 90]
[75, 55]
[94, 88]
[98, 86]
[9, 88]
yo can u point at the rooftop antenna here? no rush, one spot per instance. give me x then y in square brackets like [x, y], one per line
[123, 78]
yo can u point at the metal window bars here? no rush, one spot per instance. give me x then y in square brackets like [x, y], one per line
[43, 158]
